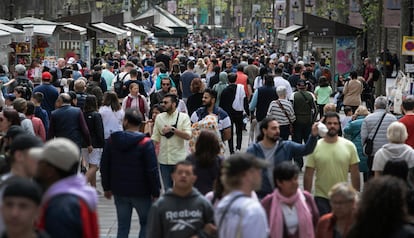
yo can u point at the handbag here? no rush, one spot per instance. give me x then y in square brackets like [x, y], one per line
[368, 145]
[284, 111]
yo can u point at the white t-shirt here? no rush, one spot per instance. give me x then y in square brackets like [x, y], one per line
[245, 218]
[112, 121]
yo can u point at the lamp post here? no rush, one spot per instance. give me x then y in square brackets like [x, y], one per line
[309, 6]
[295, 9]
[295, 6]
[11, 10]
[98, 4]
[257, 24]
[238, 21]
[238, 17]
[280, 14]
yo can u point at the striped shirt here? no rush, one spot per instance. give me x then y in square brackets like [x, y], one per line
[276, 112]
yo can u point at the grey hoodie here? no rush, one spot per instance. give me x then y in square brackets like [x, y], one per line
[173, 216]
[220, 86]
[392, 151]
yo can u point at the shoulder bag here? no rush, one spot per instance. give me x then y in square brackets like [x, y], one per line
[368, 145]
[286, 114]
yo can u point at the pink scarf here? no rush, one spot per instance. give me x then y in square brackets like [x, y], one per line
[276, 222]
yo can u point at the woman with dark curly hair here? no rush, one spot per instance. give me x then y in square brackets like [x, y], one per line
[382, 211]
[206, 160]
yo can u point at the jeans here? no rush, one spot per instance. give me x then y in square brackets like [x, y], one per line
[124, 207]
[301, 134]
[236, 120]
[323, 205]
[166, 171]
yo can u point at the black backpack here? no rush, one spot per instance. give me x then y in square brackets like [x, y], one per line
[376, 74]
[28, 88]
[119, 86]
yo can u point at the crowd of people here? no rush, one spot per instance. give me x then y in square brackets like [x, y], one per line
[160, 128]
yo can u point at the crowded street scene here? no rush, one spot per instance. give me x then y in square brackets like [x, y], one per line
[206, 119]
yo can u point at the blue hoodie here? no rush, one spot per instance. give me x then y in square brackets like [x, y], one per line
[285, 151]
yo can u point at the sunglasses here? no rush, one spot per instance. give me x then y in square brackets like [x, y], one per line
[165, 84]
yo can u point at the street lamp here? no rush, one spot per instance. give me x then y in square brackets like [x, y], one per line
[238, 17]
[309, 6]
[98, 4]
[257, 24]
[280, 14]
[11, 10]
[295, 6]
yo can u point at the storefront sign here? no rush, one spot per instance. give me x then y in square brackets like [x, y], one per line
[408, 45]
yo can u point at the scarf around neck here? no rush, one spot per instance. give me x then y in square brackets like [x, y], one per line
[276, 219]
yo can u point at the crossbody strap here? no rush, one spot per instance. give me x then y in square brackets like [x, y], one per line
[378, 126]
[284, 110]
[228, 207]
[176, 121]
[306, 100]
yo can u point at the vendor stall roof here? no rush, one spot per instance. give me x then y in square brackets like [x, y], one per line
[163, 18]
[10, 29]
[44, 29]
[82, 30]
[33, 21]
[141, 29]
[120, 33]
[2, 21]
[288, 31]
[164, 28]
[17, 35]
[5, 38]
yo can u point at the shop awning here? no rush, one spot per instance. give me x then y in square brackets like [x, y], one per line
[120, 33]
[288, 31]
[165, 28]
[44, 29]
[141, 29]
[5, 38]
[81, 30]
[17, 35]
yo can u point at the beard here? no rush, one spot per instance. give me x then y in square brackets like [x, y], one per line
[273, 139]
[207, 104]
[332, 132]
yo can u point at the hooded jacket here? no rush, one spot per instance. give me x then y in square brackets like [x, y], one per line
[129, 165]
[220, 86]
[393, 151]
[69, 209]
[285, 151]
[173, 216]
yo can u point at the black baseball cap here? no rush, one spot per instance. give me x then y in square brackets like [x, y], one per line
[25, 141]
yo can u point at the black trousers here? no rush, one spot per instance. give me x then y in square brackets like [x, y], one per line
[236, 120]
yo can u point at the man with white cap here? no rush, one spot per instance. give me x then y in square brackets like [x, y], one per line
[69, 205]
